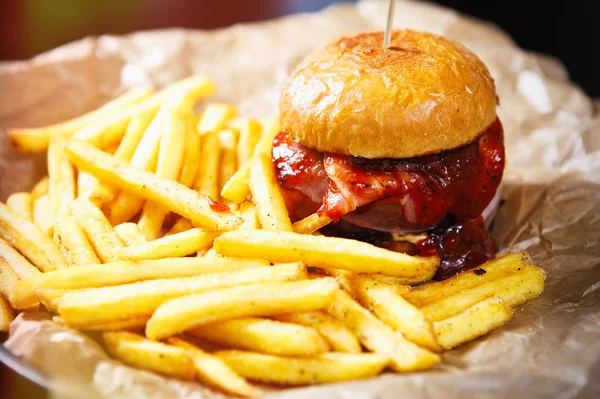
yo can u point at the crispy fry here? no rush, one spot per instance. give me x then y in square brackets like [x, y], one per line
[37, 139]
[248, 212]
[263, 335]
[134, 323]
[85, 185]
[310, 224]
[514, 289]
[213, 371]
[272, 212]
[97, 229]
[40, 188]
[472, 322]
[180, 244]
[22, 204]
[134, 350]
[8, 280]
[50, 298]
[348, 280]
[42, 213]
[73, 243]
[215, 117]
[180, 314]
[324, 251]
[181, 225]
[7, 314]
[191, 164]
[376, 336]
[170, 194]
[227, 142]
[125, 272]
[339, 337]
[130, 234]
[325, 368]
[17, 262]
[207, 180]
[249, 134]
[107, 304]
[26, 237]
[61, 187]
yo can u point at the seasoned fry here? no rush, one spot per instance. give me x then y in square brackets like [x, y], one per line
[22, 267]
[175, 245]
[181, 225]
[207, 180]
[376, 336]
[7, 315]
[107, 304]
[137, 351]
[40, 188]
[227, 142]
[73, 243]
[339, 337]
[170, 194]
[310, 224]
[191, 164]
[386, 303]
[321, 251]
[248, 212]
[97, 229]
[324, 368]
[514, 289]
[42, 213]
[472, 322]
[130, 234]
[180, 314]
[8, 280]
[489, 271]
[272, 212]
[37, 139]
[124, 272]
[26, 237]
[263, 335]
[249, 135]
[22, 204]
[213, 371]
[215, 117]
[61, 186]
[348, 280]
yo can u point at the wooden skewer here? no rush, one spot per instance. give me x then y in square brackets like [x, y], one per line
[390, 24]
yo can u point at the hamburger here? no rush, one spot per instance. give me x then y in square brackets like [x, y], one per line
[398, 146]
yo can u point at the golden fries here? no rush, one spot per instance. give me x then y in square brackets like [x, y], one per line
[324, 368]
[249, 135]
[214, 117]
[213, 371]
[21, 204]
[376, 336]
[310, 224]
[263, 335]
[175, 245]
[181, 225]
[191, 164]
[207, 180]
[40, 188]
[227, 142]
[180, 314]
[170, 194]
[472, 322]
[73, 243]
[61, 186]
[7, 315]
[30, 241]
[99, 305]
[8, 280]
[321, 251]
[131, 324]
[134, 350]
[42, 214]
[130, 234]
[21, 266]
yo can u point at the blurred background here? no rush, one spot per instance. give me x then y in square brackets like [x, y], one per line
[568, 30]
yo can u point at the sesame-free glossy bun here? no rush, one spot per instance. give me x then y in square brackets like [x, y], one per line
[424, 94]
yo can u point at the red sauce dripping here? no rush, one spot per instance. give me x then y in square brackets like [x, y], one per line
[217, 206]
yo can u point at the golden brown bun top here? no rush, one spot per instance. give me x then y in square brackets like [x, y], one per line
[425, 94]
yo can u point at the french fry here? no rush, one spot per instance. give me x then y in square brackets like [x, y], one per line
[42, 213]
[213, 371]
[7, 314]
[376, 336]
[40, 188]
[321, 251]
[284, 370]
[28, 239]
[37, 139]
[137, 351]
[131, 324]
[310, 224]
[97, 229]
[181, 225]
[248, 212]
[207, 180]
[51, 299]
[340, 338]
[61, 186]
[17, 262]
[73, 243]
[85, 185]
[272, 212]
[130, 234]
[215, 117]
[386, 303]
[491, 270]
[263, 335]
[348, 280]
[180, 244]
[107, 304]
[22, 204]
[180, 314]
[514, 289]
[472, 322]
[170, 194]
[227, 142]
[124, 272]
[8, 280]
[249, 134]
[191, 164]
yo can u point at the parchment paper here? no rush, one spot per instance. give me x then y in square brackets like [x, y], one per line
[551, 191]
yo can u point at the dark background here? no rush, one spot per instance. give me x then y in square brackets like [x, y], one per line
[568, 30]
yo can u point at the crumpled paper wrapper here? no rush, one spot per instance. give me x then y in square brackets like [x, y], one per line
[551, 190]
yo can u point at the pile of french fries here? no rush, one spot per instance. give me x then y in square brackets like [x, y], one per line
[168, 233]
